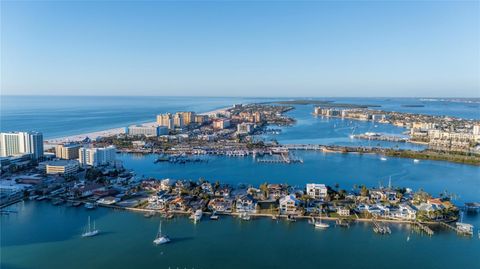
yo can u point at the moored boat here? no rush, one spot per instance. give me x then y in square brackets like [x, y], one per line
[161, 238]
[214, 216]
[197, 216]
[90, 206]
[89, 232]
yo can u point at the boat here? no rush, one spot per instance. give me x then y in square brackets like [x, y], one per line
[320, 225]
[197, 216]
[75, 204]
[33, 197]
[383, 159]
[89, 206]
[416, 160]
[245, 216]
[291, 218]
[149, 214]
[89, 232]
[161, 238]
[214, 216]
[40, 198]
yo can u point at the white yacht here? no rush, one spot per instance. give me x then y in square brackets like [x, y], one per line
[416, 160]
[197, 216]
[161, 238]
[383, 158]
[89, 232]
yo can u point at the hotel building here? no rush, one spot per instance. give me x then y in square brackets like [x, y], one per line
[18, 143]
[62, 167]
[165, 120]
[97, 156]
[148, 131]
[67, 151]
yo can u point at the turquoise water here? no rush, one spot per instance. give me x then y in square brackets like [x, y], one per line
[45, 236]
[310, 129]
[329, 168]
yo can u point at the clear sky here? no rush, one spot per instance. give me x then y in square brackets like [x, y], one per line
[266, 48]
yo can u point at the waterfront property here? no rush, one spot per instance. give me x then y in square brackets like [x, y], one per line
[19, 143]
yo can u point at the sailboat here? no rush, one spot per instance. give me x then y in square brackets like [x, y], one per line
[161, 239]
[319, 224]
[89, 232]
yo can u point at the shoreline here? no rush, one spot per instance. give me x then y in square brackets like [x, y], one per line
[109, 132]
[267, 215]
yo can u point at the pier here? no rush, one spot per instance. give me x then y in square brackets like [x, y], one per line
[457, 229]
[381, 228]
[423, 228]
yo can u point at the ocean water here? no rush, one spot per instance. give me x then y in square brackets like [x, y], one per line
[58, 116]
[41, 235]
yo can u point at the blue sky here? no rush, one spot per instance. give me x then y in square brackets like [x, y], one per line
[267, 48]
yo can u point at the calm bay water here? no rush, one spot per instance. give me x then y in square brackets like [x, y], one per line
[329, 168]
[44, 236]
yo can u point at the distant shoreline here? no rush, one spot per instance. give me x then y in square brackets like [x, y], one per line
[110, 132]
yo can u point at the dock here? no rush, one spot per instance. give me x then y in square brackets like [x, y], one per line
[422, 228]
[456, 229]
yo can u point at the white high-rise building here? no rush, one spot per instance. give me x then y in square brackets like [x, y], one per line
[17, 143]
[96, 156]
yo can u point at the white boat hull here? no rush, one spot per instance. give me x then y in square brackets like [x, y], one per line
[90, 234]
[161, 240]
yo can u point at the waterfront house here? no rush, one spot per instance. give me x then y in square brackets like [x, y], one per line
[288, 205]
[223, 191]
[166, 184]
[221, 205]
[378, 195]
[275, 191]
[375, 209]
[343, 211]
[245, 203]
[179, 204]
[405, 212]
[317, 191]
[207, 188]
[88, 190]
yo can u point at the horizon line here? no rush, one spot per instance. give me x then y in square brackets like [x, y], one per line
[231, 96]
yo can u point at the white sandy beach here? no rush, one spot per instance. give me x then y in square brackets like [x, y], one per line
[110, 132]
